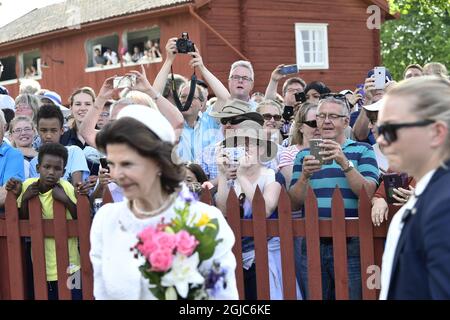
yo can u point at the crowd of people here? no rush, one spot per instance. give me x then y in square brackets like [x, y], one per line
[157, 139]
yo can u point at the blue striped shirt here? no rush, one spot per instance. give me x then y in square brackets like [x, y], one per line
[324, 181]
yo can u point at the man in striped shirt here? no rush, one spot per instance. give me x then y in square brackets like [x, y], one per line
[353, 166]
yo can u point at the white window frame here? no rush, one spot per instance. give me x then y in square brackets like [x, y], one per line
[316, 61]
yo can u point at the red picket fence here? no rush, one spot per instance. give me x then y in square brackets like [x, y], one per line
[12, 231]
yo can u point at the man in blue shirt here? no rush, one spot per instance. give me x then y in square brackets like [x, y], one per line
[11, 163]
[353, 166]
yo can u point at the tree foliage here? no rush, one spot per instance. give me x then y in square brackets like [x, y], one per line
[420, 35]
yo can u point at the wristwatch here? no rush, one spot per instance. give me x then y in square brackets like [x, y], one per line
[349, 168]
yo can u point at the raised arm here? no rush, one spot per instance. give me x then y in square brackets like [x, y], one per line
[215, 84]
[276, 76]
[87, 128]
[168, 110]
[160, 81]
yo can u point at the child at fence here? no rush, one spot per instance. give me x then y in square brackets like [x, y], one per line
[52, 159]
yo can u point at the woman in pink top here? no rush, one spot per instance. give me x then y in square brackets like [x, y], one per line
[304, 129]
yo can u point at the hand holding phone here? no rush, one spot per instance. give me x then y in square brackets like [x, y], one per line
[124, 82]
[394, 181]
[104, 163]
[315, 149]
[380, 77]
[289, 69]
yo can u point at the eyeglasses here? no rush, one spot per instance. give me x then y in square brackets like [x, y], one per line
[311, 124]
[243, 78]
[330, 116]
[24, 130]
[268, 117]
[232, 120]
[389, 130]
[104, 114]
[184, 98]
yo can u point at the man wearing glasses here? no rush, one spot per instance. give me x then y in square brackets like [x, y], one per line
[352, 166]
[241, 81]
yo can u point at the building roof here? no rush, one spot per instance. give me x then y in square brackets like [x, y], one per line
[73, 13]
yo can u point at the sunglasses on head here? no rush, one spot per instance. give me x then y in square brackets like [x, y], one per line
[338, 96]
[232, 120]
[389, 130]
[311, 124]
[268, 116]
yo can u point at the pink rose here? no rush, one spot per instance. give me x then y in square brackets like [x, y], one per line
[186, 243]
[165, 241]
[148, 248]
[161, 260]
[147, 234]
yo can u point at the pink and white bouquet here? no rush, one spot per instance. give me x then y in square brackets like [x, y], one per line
[174, 253]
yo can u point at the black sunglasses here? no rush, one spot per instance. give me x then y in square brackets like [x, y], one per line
[389, 130]
[312, 123]
[232, 120]
[268, 116]
[338, 96]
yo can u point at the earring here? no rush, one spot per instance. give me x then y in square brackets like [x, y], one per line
[159, 174]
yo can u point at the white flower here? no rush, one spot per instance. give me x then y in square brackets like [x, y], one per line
[171, 293]
[184, 271]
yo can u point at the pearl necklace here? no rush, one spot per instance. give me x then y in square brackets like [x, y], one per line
[132, 206]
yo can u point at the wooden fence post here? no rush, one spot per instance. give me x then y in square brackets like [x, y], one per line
[38, 249]
[260, 240]
[366, 240]
[313, 246]
[13, 240]
[84, 227]
[287, 246]
[62, 249]
[234, 220]
[339, 246]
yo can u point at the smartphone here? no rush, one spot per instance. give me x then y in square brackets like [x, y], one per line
[394, 181]
[300, 97]
[380, 77]
[124, 82]
[292, 68]
[234, 154]
[314, 150]
[104, 163]
[288, 113]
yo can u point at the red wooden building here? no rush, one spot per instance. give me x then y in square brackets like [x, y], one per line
[328, 39]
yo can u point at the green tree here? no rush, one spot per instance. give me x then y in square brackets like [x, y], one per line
[420, 35]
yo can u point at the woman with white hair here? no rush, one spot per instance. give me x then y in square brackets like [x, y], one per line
[414, 134]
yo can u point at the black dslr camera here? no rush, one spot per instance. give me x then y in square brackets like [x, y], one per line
[184, 45]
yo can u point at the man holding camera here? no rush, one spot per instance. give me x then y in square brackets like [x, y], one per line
[353, 166]
[292, 89]
[199, 129]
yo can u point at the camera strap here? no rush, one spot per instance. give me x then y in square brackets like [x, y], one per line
[187, 104]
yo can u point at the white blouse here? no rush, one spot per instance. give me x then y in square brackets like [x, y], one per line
[116, 270]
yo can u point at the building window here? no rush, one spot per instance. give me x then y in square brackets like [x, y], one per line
[30, 64]
[311, 42]
[9, 68]
[142, 46]
[101, 52]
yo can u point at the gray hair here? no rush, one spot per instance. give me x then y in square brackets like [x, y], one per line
[245, 64]
[432, 99]
[200, 92]
[30, 100]
[342, 103]
[269, 102]
[29, 86]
